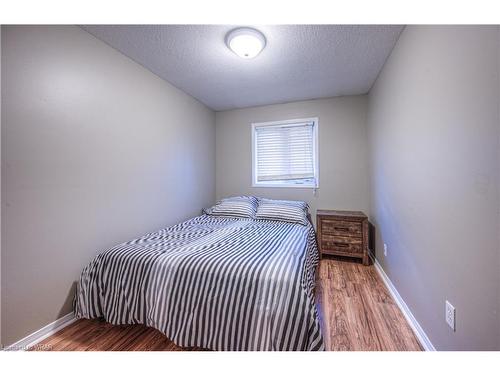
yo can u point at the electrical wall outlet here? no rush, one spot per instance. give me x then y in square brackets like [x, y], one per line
[385, 249]
[450, 315]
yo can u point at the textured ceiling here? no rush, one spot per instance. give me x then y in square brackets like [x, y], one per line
[299, 61]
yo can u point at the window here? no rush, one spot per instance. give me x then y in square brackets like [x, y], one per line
[285, 153]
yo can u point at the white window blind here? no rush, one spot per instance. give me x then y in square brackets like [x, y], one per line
[285, 153]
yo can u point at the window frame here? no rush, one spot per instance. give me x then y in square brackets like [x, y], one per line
[267, 184]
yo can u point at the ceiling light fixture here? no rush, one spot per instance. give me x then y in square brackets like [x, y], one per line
[246, 42]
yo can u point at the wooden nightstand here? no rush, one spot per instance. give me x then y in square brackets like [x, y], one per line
[343, 233]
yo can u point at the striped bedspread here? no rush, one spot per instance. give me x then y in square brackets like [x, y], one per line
[211, 282]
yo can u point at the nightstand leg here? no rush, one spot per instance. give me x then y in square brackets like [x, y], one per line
[366, 260]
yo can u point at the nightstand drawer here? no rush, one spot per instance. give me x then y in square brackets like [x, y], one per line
[341, 228]
[341, 244]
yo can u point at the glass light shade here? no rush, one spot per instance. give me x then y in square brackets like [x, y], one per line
[246, 42]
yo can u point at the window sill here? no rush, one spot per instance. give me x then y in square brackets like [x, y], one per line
[294, 186]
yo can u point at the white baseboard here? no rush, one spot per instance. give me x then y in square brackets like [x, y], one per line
[35, 337]
[417, 329]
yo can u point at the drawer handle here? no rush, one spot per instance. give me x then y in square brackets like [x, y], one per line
[341, 244]
[342, 229]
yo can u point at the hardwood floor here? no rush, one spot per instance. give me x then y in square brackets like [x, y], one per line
[356, 311]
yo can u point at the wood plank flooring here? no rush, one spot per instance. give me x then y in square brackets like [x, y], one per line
[356, 312]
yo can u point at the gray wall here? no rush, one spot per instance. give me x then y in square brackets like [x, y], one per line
[433, 123]
[0, 201]
[342, 148]
[498, 224]
[95, 150]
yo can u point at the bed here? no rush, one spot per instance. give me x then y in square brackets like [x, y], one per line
[212, 282]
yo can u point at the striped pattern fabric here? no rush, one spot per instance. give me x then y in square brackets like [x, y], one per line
[289, 211]
[243, 206]
[212, 282]
[300, 204]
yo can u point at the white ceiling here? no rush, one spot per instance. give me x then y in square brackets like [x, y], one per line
[299, 61]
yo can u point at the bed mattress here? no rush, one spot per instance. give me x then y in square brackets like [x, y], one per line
[212, 282]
